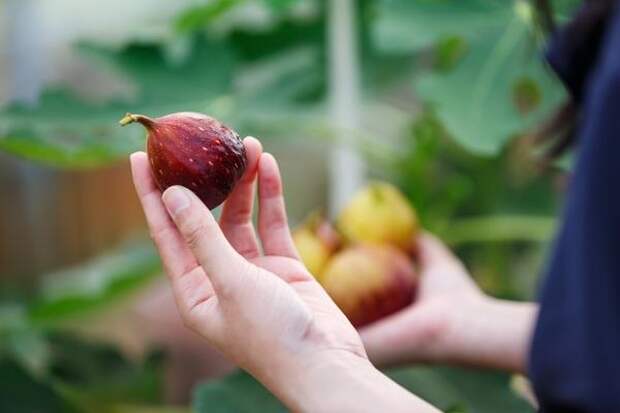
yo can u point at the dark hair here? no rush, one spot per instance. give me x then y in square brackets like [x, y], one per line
[586, 30]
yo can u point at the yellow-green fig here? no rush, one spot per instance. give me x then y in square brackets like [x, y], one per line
[369, 282]
[316, 240]
[379, 214]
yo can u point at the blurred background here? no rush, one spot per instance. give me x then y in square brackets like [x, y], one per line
[439, 97]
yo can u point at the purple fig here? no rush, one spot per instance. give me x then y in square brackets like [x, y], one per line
[195, 151]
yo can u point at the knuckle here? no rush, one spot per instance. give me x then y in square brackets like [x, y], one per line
[249, 252]
[158, 235]
[239, 216]
[271, 186]
[194, 234]
[276, 220]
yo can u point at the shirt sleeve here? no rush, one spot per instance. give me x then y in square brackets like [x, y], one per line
[575, 354]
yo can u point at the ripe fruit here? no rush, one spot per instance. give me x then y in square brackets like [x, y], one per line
[316, 240]
[369, 282]
[379, 214]
[313, 253]
[195, 151]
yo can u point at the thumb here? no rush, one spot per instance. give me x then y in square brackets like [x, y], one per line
[223, 265]
[403, 337]
[432, 251]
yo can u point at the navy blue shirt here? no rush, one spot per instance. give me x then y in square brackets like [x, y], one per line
[575, 355]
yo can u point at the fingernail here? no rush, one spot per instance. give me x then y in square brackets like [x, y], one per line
[175, 199]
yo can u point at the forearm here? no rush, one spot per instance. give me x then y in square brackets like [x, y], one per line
[343, 383]
[490, 333]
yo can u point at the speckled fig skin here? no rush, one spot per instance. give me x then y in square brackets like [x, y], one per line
[195, 151]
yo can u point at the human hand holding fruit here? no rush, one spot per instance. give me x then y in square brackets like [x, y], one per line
[370, 274]
[422, 331]
[225, 289]
[452, 321]
[263, 311]
[373, 279]
[423, 310]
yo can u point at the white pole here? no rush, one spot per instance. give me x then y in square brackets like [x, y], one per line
[346, 168]
[26, 63]
[23, 42]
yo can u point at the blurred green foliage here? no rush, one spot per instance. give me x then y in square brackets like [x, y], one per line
[202, 15]
[64, 132]
[497, 212]
[485, 50]
[44, 366]
[77, 291]
[471, 68]
[22, 393]
[80, 376]
[488, 83]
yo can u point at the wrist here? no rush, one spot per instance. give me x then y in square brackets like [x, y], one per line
[340, 380]
[307, 381]
[488, 332]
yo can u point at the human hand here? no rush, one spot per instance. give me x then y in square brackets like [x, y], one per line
[265, 312]
[451, 321]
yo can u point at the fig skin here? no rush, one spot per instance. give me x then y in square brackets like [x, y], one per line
[195, 151]
[369, 282]
[316, 241]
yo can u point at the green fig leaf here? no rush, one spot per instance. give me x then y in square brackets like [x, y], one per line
[412, 25]
[499, 90]
[76, 291]
[489, 82]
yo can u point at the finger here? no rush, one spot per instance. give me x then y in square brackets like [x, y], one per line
[190, 285]
[176, 257]
[440, 270]
[222, 264]
[179, 262]
[236, 219]
[294, 271]
[273, 227]
[431, 251]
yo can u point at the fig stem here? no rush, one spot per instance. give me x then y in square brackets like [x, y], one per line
[131, 118]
